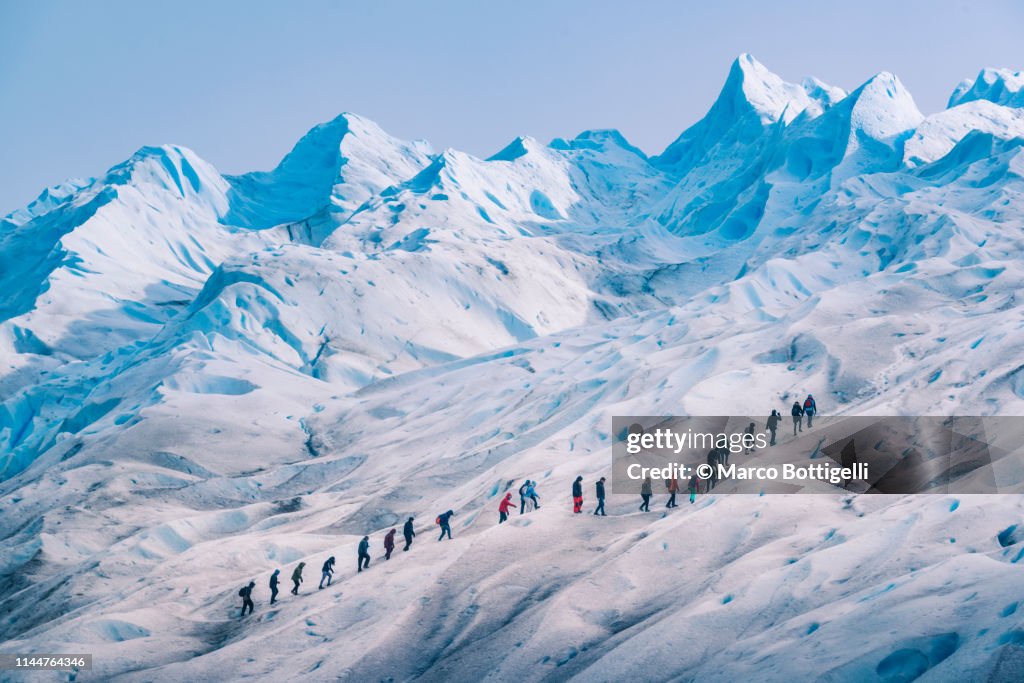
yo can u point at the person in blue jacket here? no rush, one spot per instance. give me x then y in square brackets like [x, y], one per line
[531, 493]
[600, 498]
[364, 553]
[810, 408]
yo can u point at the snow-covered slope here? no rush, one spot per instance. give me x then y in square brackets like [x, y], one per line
[203, 378]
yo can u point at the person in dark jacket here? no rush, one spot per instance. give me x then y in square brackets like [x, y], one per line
[389, 543]
[645, 493]
[246, 595]
[273, 586]
[503, 507]
[773, 424]
[364, 553]
[810, 409]
[713, 460]
[444, 520]
[577, 495]
[798, 417]
[327, 571]
[600, 498]
[297, 577]
[748, 439]
[673, 488]
[409, 533]
[692, 487]
[523, 495]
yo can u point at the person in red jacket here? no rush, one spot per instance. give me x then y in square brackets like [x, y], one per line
[673, 487]
[389, 544]
[504, 506]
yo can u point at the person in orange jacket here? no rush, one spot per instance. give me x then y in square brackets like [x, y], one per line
[504, 506]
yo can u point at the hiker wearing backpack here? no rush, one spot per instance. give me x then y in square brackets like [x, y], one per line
[503, 507]
[297, 577]
[577, 495]
[798, 417]
[531, 493]
[673, 487]
[444, 521]
[522, 496]
[246, 594]
[327, 571]
[409, 533]
[810, 408]
[273, 586]
[600, 498]
[773, 424]
[389, 544]
[364, 554]
[748, 439]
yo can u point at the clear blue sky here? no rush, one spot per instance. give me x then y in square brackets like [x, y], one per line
[84, 84]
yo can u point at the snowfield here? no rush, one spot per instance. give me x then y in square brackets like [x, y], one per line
[207, 377]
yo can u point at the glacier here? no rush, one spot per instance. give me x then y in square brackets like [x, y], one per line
[204, 377]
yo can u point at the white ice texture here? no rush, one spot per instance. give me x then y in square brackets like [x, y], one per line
[207, 377]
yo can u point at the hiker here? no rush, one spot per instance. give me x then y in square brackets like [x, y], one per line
[503, 507]
[522, 496]
[273, 586]
[297, 577]
[327, 571]
[444, 521]
[692, 486]
[723, 455]
[673, 487]
[798, 417]
[773, 424]
[409, 533]
[600, 498]
[645, 493]
[810, 408]
[389, 544]
[364, 554]
[531, 493]
[748, 439]
[246, 594]
[577, 495]
[713, 460]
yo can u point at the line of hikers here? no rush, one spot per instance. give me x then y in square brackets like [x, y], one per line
[528, 493]
[363, 560]
[798, 412]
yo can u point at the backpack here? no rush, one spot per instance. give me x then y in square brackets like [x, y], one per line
[241, 592]
[437, 521]
[808, 404]
[522, 491]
